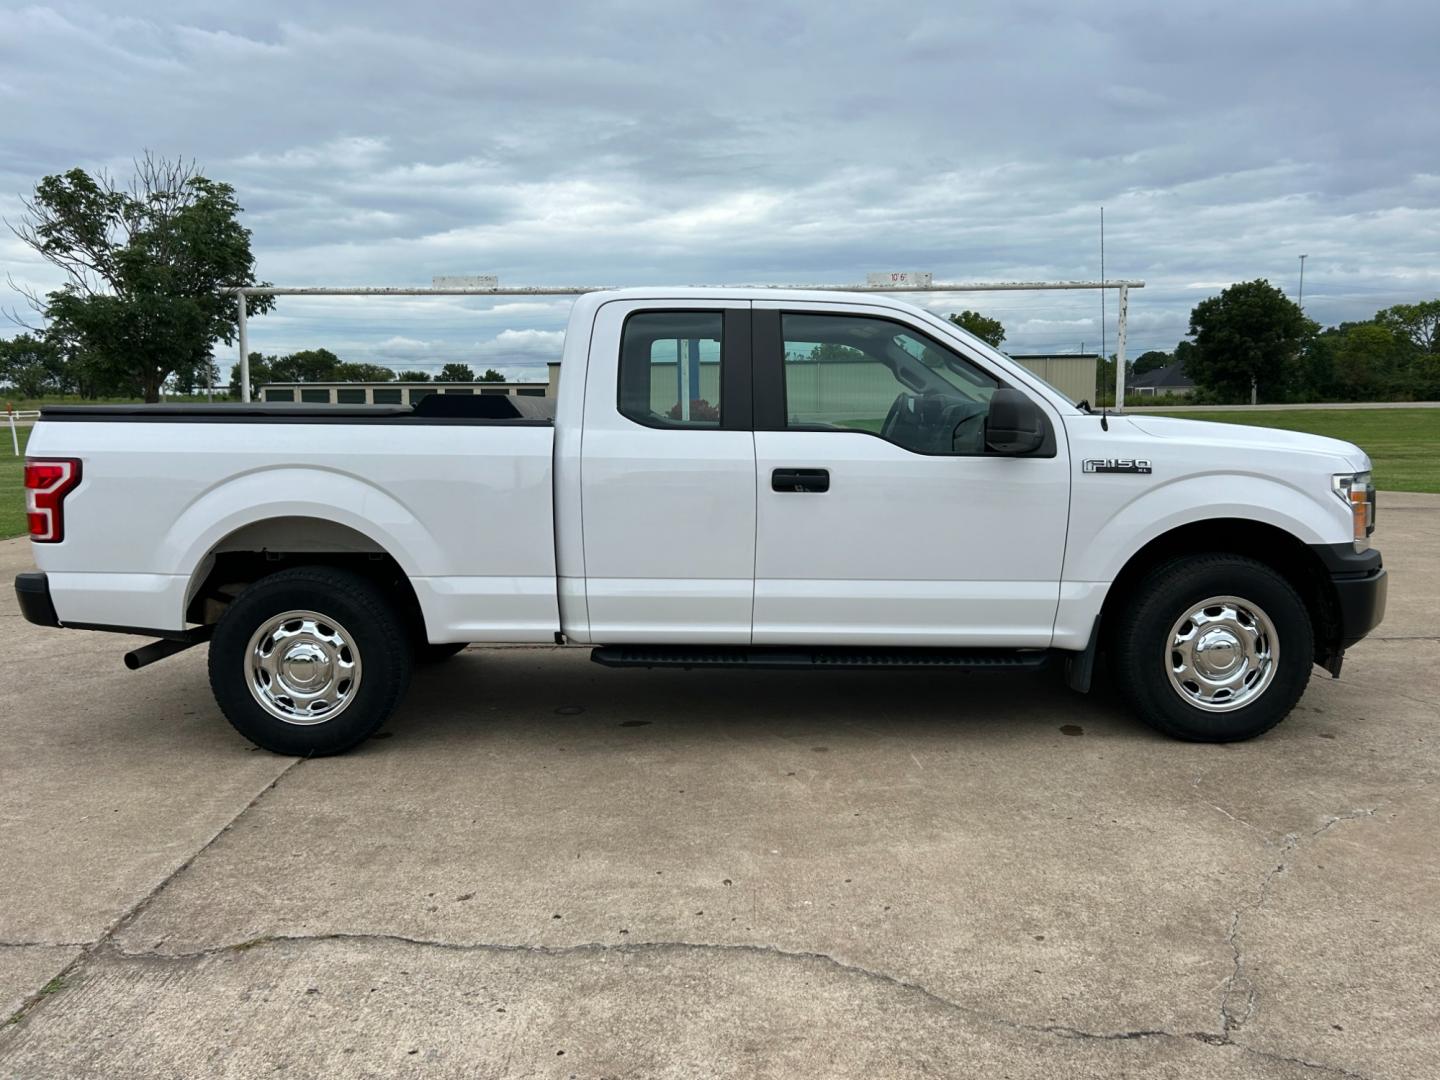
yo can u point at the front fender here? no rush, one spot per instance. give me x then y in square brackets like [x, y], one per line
[1103, 537]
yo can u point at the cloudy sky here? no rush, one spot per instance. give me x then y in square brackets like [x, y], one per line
[672, 142]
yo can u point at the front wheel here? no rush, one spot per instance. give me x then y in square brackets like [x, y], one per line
[309, 661]
[1213, 648]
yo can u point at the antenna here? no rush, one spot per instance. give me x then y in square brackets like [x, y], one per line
[1103, 357]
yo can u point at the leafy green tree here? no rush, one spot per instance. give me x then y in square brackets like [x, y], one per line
[145, 266]
[985, 328]
[1359, 361]
[1419, 323]
[31, 366]
[1105, 379]
[1153, 360]
[491, 375]
[1366, 361]
[261, 369]
[413, 376]
[363, 373]
[456, 373]
[1249, 335]
[1184, 352]
[833, 351]
[307, 365]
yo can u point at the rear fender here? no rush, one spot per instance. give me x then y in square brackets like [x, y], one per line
[304, 492]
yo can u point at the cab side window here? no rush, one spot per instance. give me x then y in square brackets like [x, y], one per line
[670, 363]
[857, 373]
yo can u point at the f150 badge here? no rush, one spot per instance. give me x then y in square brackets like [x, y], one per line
[1117, 465]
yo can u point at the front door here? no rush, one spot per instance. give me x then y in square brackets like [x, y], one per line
[881, 517]
[668, 474]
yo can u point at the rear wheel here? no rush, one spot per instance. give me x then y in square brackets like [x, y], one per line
[309, 661]
[1213, 648]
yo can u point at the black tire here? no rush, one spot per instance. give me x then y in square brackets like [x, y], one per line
[425, 653]
[1142, 656]
[363, 619]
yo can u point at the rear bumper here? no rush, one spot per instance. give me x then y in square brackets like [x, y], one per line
[32, 590]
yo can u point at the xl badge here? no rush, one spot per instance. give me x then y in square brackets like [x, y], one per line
[1117, 465]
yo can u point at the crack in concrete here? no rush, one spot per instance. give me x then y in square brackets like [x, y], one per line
[1238, 980]
[106, 943]
[44, 944]
[88, 949]
[1264, 836]
[1059, 1031]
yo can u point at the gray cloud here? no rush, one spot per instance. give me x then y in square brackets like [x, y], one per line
[648, 142]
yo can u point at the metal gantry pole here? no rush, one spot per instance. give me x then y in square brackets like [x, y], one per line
[1123, 287]
[1123, 303]
[243, 334]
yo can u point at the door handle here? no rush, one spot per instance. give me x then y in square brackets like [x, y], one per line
[783, 480]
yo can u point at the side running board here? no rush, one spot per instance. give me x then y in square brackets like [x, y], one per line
[783, 656]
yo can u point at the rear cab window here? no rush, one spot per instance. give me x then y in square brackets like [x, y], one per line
[670, 368]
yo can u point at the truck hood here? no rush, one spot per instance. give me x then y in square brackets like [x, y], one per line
[1209, 433]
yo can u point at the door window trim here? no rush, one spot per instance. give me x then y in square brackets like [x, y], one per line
[736, 358]
[771, 407]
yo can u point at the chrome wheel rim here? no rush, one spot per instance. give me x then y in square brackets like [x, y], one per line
[303, 667]
[1222, 654]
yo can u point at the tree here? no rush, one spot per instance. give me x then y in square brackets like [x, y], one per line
[456, 373]
[1184, 353]
[1153, 360]
[986, 329]
[413, 376]
[363, 373]
[491, 375]
[1365, 361]
[260, 374]
[307, 365]
[833, 352]
[1105, 379]
[1420, 323]
[1248, 336]
[145, 266]
[31, 366]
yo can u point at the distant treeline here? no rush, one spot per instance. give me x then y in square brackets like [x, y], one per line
[1252, 336]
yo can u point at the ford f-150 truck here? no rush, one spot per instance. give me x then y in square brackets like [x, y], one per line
[730, 477]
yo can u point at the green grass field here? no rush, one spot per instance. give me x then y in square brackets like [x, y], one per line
[1404, 444]
[12, 494]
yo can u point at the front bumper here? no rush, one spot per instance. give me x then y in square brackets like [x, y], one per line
[32, 590]
[1362, 604]
[1361, 586]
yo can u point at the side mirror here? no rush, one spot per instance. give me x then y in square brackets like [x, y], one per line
[1015, 424]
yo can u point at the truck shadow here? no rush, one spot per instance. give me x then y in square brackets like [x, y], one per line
[521, 691]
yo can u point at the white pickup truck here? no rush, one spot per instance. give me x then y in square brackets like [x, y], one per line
[731, 477]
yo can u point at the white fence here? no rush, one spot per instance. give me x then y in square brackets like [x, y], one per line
[30, 414]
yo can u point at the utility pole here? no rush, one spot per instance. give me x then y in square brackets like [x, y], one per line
[1301, 301]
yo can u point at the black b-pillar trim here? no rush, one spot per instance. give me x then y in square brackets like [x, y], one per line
[768, 380]
[735, 361]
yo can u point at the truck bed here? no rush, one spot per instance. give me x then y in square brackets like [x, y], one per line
[462, 504]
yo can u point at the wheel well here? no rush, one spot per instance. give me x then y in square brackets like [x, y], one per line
[266, 547]
[1283, 552]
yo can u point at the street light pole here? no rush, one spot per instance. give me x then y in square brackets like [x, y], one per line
[1301, 301]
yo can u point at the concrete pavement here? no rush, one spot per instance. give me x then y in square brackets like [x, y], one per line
[545, 868]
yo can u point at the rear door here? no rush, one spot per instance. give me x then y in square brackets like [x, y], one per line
[668, 473]
[881, 518]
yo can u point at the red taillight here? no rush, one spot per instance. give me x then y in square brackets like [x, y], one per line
[47, 482]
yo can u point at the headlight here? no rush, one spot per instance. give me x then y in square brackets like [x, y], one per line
[1357, 492]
